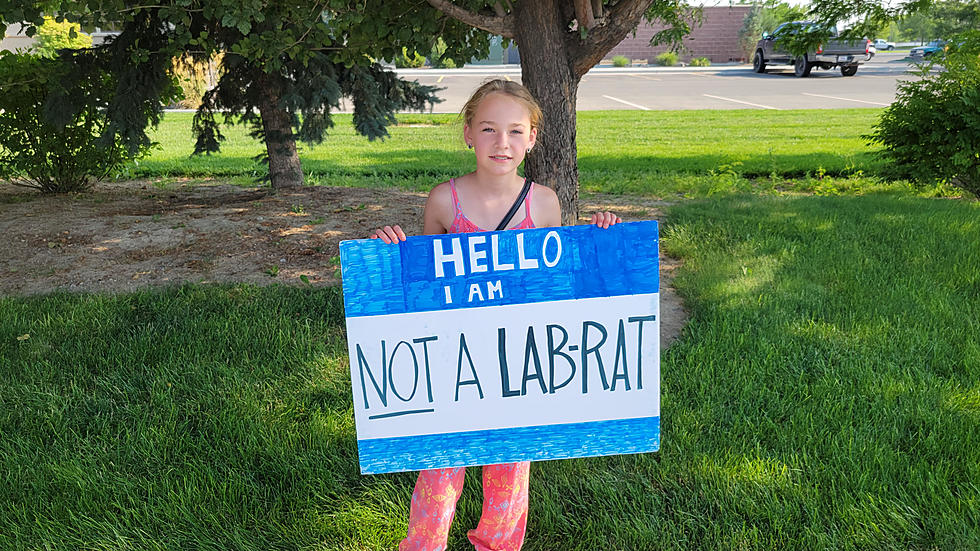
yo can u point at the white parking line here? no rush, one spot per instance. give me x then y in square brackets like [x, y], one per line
[742, 102]
[845, 99]
[627, 103]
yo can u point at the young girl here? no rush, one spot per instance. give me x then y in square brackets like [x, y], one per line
[501, 122]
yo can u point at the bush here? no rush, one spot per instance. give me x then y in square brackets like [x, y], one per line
[54, 123]
[438, 59]
[667, 59]
[53, 36]
[195, 79]
[620, 61]
[930, 133]
[700, 62]
[405, 61]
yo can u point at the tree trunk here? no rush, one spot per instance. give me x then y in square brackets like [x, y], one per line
[284, 168]
[546, 71]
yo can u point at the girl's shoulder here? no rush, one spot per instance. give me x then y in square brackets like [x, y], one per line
[545, 208]
[544, 192]
[441, 193]
[439, 209]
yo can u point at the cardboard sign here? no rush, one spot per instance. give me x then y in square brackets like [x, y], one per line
[495, 347]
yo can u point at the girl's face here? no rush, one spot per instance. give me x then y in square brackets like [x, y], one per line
[500, 134]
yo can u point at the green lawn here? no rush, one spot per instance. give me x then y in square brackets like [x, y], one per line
[619, 151]
[825, 394]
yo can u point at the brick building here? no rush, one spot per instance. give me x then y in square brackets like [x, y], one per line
[716, 38]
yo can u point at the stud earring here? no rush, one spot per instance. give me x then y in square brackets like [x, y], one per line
[529, 149]
[469, 145]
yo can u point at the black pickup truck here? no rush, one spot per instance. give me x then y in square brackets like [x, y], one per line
[773, 49]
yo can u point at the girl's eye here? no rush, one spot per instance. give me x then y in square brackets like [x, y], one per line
[488, 129]
[516, 132]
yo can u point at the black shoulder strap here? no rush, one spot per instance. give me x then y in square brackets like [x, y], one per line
[517, 204]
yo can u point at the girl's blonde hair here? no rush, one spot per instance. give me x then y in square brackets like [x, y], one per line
[509, 88]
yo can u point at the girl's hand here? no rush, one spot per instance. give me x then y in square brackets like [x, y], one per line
[389, 234]
[605, 219]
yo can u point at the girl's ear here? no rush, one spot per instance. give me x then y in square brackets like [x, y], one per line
[533, 137]
[466, 135]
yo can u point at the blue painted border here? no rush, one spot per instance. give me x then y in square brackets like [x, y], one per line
[489, 447]
[382, 279]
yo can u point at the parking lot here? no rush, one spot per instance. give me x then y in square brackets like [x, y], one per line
[718, 87]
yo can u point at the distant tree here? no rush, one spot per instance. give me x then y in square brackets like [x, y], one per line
[918, 27]
[764, 17]
[952, 17]
[942, 19]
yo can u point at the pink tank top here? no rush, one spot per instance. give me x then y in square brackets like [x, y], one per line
[462, 224]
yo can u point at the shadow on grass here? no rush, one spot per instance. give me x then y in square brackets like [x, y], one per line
[419, 169]
[812, 388]
[823, 396]
[190, 417]
[757, 164]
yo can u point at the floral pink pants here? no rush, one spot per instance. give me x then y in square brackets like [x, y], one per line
[504, 518]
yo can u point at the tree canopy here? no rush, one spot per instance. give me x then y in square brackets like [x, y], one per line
[275, 51]
[288, 62]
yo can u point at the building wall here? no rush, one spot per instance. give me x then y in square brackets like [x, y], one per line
[716, 38]
[14, 39]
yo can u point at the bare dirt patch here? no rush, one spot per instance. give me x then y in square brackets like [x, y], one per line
[125, 236]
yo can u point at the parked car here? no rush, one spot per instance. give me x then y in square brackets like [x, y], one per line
[882, 44]
[772, 50]
[929, 50]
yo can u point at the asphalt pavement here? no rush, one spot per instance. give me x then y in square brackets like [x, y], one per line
[714, 87]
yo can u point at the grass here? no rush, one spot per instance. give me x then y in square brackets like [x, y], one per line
[651, 153]
[823, 396]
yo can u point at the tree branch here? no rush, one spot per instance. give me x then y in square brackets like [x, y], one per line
[620, 19]
[584, 15]
[503, 26]
[597, 9]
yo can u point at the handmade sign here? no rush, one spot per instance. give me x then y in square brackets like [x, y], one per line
[494, 347]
